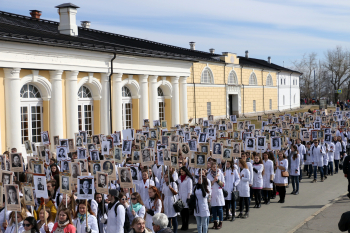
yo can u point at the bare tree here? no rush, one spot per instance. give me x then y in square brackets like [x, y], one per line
[337, 63]
[306, 66]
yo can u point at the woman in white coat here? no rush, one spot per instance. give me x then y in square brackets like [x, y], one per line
[153, 206]
[244, 189]
[258, 169]
[144, 185]
[80, 219]
[330, 158]
[267, 178]
[217, 202]
[231, 182]
[185, 182]
[101, 214]
[11, 228]
[295, 169]
[137, 207]
[281, 182]
[308, 160]
[169, 193]
[201, 211]
[41, 222]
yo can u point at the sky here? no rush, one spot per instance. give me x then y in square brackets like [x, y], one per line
[282, 29]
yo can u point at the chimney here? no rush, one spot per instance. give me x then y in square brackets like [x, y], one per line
[35, 14]
[246, 54]
[85, 24]
[68, 24]
[193, 45]
[212, 51]
[269, 60]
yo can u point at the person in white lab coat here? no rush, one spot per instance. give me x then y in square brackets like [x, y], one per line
[169, 192]
[153, 205]
[217, 202]
[302, 153]
[317, 160]
[330, 153]
[295, 169]
[308, 160]
[11, 228]
[80, 219]
[267, 178]
[144, 185]
[280, 181]
[231, 182]
[338, 152]
[101, 214]
[325, 158]
[201, 211]
[185, 182]
[243, 188]
[258, 169]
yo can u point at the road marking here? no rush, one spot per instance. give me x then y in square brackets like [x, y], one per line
[316, 213]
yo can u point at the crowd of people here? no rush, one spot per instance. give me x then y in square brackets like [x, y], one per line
[216, 184]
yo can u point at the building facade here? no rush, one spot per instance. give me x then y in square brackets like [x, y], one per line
[61, 78]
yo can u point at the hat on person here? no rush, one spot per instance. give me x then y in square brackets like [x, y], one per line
[114, 193]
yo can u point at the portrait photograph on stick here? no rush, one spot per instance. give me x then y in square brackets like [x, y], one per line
[45, 137]
[83, 166]
[125, 178]
[6, 177]
[95, 166]
[275, 143]
[12, 197]
[227, 156]
[61, 153]
[75, 171]
[236, 151]
[40, 186]
[16, 162]
[217, 150]
[200, 160]
[65, 183]
[86, 187]
[108, 166]
[147, 159]
[102, 182]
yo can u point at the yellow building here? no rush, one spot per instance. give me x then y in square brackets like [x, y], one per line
[61, 78]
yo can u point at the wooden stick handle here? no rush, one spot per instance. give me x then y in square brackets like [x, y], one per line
[86, 203]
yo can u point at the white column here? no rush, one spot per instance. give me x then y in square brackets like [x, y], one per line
[104, 107]
[183, 100]
[153, 97]
[175, 106]
[117, 103]
[13, 108]
[72, 103]
[143, 80]
[56, 114]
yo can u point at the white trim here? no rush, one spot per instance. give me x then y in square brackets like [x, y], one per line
[93, 84]
[253, 75]
[166, 88]
[211, 73]
[82, 102]
[234, 76]
[40, 82]
[133, 86]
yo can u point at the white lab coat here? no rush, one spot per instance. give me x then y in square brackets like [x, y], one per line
[157, 208]
[268, 175]
[141, 213]
[142, 189]
[243, 186]
[295, 166]
[317, 156]
[116, 223]
[330, 152]
[258, 178]
[279, 180]
[325, 156]
[308, 159]
[2, 218]
[338, 149]
[302, 152]
[202, 208]
[217, 197]
[50, 225]
[12, 228]
[250, 167]
[169, 199]
[185, 189]
[102, 226]
[231, 182]
[92, 223]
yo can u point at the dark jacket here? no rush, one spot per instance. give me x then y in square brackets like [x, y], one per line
[165, 230]
[346, 166]
[344, 223]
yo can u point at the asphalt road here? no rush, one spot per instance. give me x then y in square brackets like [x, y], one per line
[289, 216]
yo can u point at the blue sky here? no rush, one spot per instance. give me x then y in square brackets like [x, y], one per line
[284, 30]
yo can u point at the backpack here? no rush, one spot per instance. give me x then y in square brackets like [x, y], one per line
[127, 221]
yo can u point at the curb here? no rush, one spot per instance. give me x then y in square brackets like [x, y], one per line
[316, 213]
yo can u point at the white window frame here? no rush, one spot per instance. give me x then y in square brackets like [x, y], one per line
[253, 79]
[269, 80]
[84, 102]
[161, 100]
[232, 78]
[210, 76]
[126, 100]
[254, 105]
[270, 104]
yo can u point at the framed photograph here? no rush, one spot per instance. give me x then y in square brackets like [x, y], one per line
[61, 153]
[261, 143]
[27, 191]
[210, 117]
[128, 134]
[227, 155]
[192, 145]
[64, 142]
[6, 177]
[45, 137]
[94, 155]
[105, 147]
[28, 147]
[84, 135]
[83, 166]
[136, 156]
[108, 166]
[320, 134]
[16, 162]
[174, 161]
[205, 123]
[328, 138]
[174, 147]
[65, 183]
[147, 158]
[166, 156]
[233, 119]
[250, 144]
[294, 134]
[151, 143]
[317, 125]
[275, 143]
[40, 186]
[202, 138]
[116, 139]
[164, 124]
[65, 166]
[153, 134]
[217, 150]
[71, 145]
[82, 153]
[251, 127]
[56, 141]
[134, 171]
[126, 147]
[125, 177]
[38, 167]
[75, 171]
[200, 160]
[96, 139]
[185, 149]
[118, 155]
[314, 134]
[203, 148]
[236, 151]
[79, 141]
[95, 166]
[12, 197]
[86, 187]
[102, 182]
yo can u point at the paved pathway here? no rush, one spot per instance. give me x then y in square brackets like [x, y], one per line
[287, 217]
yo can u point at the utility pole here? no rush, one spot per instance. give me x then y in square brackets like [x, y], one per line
[315, 84]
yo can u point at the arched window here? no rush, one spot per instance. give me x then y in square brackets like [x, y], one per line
[269, 81]
[31, 113]
[232, 78]
[85, 110]
[253, 80]
[127, 108]
[161, 104]
[207, 76]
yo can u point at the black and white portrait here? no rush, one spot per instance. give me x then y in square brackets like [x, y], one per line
[85, 187]
[240, 125]
[193, 145]
[173, 160]
[202, 137]
[108, 167]
[233, 118]
[185, 149]
[105, 147]
[12, 194]
[45, 137]
[81, 153]
[146, 155]
[261, 143]
[96, 139]
[136, 156]
[156, 123]
[173, 147]
[217, 149]
[165, 140]
[84, 135]
[117, 153]
[94, 155]
[61, 153]
[200, 159]
[28, 193]
[204, 148]
[125, 175]
[126, 146]
[40, 186]
[37, 169]
[328, 138]
[166, 154]
[65, 183]
[206, 123]
[227, 154]
[56, 140]
[79, 141]
[317, 125]
[16, 162]
[153, 134]
[96, 167]
[276, 143]
[102, 180]
[28, 147]
[250, 144]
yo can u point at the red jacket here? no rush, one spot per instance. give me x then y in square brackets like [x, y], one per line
[68, 229]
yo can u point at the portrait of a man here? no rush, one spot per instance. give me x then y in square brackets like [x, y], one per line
[96, 168]
[85, 186]
[108, 167]
[65, 182]
[40, 185]
[125, 176]
[227, 154]
[102, 181]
